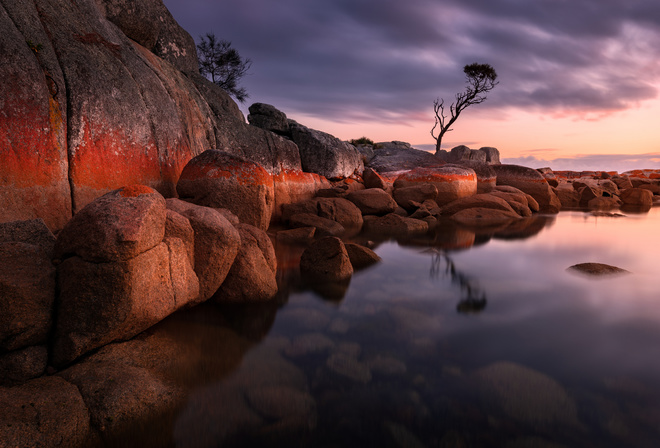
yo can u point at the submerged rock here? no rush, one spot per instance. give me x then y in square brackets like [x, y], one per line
[597, 269]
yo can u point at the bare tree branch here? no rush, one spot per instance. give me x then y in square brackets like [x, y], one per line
[481, 79]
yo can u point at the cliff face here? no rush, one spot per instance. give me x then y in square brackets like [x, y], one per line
[98, 94]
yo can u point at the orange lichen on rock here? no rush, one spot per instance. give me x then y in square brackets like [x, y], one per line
[132, 191]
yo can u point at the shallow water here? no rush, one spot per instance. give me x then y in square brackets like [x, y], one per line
[463, 340]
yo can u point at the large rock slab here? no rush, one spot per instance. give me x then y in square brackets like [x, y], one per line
[117, 226]
[453, 182]
[252, 277]
[45, 412]
[398, 156]
[220, 180]
[216, 244]
[126, 114]
[324, 154]
[530, 181]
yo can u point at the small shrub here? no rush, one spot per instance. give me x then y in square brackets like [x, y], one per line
[362, 141]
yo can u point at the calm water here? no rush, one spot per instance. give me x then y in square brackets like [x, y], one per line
[459, 340]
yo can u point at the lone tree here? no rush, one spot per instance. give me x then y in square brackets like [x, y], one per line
[223, 65]
[481, 79]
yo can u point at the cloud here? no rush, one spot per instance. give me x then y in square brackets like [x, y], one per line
[591, 162]
[386, 60]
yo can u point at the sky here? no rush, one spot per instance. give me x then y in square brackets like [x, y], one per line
[579, 80]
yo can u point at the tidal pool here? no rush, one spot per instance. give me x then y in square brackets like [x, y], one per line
[454, 340]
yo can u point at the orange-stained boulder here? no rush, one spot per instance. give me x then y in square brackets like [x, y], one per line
[219, 179]
[292, 186]
[117, 226]
[530, 181]
[452, 182]
[252, 277]
[216, 244]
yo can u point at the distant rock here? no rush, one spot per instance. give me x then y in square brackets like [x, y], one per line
[637, 197]
[597, 269]
[463, 153]
[267, 117]
[400, 156]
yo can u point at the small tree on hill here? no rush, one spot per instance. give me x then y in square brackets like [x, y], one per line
[222, 64]
[480, 79]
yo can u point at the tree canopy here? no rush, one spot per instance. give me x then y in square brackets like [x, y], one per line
[480, 79]
[223, 65]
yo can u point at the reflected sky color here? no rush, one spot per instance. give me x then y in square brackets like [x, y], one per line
[576, 78]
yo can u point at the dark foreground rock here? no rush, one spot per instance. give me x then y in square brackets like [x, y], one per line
[326, 260]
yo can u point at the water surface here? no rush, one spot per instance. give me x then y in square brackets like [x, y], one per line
[460, 340]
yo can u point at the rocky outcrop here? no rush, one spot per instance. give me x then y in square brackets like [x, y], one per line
[323, 154]
[97, 93]
[217, 179]
[398, 156]
[637, 197]
[452, 182]
[462, 153]
[267, 117]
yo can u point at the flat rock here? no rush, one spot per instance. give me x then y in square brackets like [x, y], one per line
[360, 256]
[373, 201]
[597, 269]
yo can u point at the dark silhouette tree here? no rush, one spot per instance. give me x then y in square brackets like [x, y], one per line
[222, 64]
[480, 79]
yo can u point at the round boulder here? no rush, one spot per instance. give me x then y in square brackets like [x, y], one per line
[637, 197]
[453, 182]
[326, 259]
[218, 179]
[117, 226]
[252, 277]
[531, 182]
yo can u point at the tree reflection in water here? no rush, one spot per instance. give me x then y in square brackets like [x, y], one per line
[473, 298]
